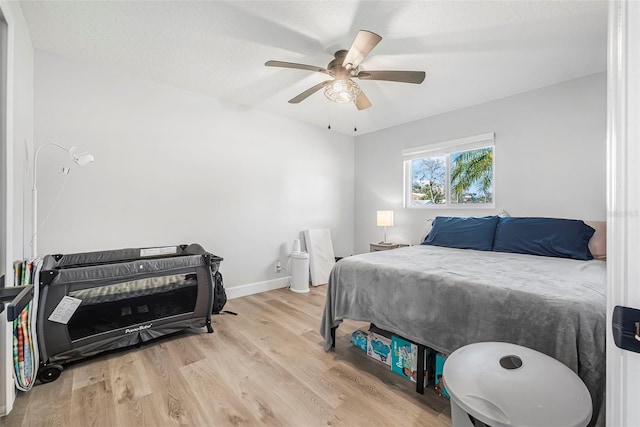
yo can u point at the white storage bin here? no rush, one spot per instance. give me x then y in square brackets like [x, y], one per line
[300, 272]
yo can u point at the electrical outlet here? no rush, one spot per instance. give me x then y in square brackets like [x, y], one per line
[278, 267]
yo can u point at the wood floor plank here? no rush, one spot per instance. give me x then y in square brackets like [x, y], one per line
[140, 412]
[92, 405]
[128, 378]
[90, 372]
[53, 403]
[260, 330]
[184, 351]
[264, 367]
[19, 412]
[265, 406]
[293, 357]
[259, 382]
[173, 395]
[132, 391]
[295, 315]
[226, 409]
[299, 396]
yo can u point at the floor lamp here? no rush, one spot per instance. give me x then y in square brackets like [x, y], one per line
[80, 159]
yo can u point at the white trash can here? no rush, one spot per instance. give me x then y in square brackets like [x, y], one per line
[501, 385]
[300, 272]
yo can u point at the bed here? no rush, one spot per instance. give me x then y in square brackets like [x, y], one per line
[446, 298]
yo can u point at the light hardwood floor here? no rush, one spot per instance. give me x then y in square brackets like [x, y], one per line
[265, 366]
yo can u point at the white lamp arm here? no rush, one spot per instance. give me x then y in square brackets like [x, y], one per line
[35, 159]
[82, 160]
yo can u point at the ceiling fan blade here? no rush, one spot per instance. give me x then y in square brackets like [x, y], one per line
[416, 77]
[304, 95]
[283, 64]
[363, 44]
[362, 102]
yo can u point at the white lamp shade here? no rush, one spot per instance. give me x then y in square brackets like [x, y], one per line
[385, 219]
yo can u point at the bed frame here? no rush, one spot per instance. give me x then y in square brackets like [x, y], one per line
[99, 301]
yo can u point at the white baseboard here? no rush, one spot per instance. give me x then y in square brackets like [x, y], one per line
[256, 288]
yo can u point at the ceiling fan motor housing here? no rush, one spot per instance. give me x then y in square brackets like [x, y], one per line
[337, 69]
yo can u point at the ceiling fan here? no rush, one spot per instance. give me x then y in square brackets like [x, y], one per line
[345, 66]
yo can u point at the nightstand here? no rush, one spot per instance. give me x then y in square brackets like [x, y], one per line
[375, 247]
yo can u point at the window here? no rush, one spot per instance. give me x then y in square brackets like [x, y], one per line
[457, 173]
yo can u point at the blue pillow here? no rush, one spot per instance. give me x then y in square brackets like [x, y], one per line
[563, 238]
[462, 233]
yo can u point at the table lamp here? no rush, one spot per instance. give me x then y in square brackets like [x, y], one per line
[385, 219]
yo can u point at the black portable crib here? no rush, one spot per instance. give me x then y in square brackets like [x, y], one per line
[125, 297]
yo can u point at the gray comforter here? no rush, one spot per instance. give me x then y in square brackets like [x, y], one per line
[446, 298]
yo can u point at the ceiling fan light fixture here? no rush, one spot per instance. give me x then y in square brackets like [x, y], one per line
[342, 91]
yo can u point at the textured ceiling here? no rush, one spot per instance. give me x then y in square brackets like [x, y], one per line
[472, 51]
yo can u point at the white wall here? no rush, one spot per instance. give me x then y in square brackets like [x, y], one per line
[22, 135]
[177, 167]
[550, 159]
[19, 134]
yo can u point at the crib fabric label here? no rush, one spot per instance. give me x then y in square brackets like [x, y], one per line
[166, 250]
[65, 309]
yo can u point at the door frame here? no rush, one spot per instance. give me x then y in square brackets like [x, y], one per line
[7, 389]
[623, 202]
